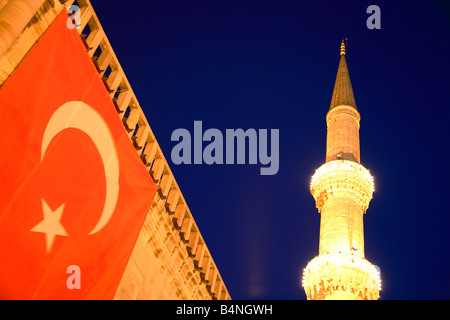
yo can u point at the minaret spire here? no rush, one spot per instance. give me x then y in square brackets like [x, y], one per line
[343, 117]
[343, 91]
[342, 189]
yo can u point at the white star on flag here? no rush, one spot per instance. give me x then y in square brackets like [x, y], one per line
[51, 225]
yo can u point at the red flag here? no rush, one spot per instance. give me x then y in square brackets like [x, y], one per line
[74, 192]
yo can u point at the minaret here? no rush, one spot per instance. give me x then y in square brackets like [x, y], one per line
[342, 189]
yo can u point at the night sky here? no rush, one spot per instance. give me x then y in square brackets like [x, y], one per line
[272, 65]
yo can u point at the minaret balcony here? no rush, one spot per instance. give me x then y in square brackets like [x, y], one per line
[341, 276]
[342, 178]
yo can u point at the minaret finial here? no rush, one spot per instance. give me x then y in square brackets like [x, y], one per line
[343, 44]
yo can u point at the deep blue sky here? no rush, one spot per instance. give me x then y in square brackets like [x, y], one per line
[272, 65]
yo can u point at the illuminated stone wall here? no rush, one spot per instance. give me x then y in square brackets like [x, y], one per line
[343, 134]
[341, 227]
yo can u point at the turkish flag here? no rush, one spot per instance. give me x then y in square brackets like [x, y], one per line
[74, 193]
